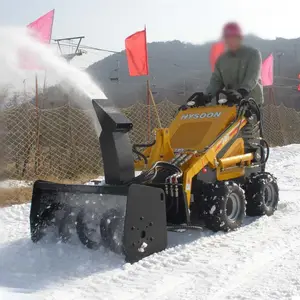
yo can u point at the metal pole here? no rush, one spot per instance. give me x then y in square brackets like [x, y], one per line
[36, 94]
[279, 55]
[37, 125]
[24, 83]
[148, 110]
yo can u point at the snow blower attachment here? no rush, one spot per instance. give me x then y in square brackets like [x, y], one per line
[124, 216]
[206, 168]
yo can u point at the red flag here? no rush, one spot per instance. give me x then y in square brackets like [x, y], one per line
[216, 50]
[267, 71]
[137, 54]
[41, 29]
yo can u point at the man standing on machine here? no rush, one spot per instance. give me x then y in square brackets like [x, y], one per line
[237, 70]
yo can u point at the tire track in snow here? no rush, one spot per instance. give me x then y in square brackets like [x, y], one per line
[206, 264]
[180, 257]
[257, 264]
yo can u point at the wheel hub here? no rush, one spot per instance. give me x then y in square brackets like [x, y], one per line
[232, 207]
[269, 195]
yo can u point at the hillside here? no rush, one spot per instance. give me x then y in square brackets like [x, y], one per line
[177, 69]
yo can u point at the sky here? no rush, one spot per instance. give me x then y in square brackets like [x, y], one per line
[106, 23]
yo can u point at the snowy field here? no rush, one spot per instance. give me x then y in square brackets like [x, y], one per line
[10, 184]
[259, 261]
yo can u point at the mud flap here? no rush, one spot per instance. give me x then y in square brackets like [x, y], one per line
[129, 220]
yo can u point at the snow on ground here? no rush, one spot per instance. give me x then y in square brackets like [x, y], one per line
[8, 184]
[259, 261]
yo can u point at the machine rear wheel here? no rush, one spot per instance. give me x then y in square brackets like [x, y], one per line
[262, 195]
[224, 206]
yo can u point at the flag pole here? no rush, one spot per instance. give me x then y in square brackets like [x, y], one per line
[24, 88]
[44, 88]
[150, 98]
[148, 109]
[37, 125]
[36, 94]
[155, 107]
[148, 91]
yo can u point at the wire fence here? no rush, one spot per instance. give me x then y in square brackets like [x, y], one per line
[61, 144]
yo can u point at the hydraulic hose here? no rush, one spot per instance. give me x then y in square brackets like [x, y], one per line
[140, 154]
[158, 168]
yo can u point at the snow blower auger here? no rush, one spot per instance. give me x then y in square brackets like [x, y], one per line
[220, 155]
[123, 215]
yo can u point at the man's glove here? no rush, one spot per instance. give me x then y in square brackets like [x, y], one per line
[196, 100]
[183, 107]
[243, 92]
[235, 97]
[199, 99]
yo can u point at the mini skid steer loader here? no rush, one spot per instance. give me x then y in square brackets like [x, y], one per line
[207, 167]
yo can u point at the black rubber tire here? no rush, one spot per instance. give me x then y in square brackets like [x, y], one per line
[257, 188]
[217, 197]
[197, 208]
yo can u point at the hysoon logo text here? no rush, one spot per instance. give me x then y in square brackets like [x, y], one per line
[201, 116]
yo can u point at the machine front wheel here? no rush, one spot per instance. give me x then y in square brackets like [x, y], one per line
[224, 206]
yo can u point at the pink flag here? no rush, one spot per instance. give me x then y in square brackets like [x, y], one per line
[267, 71]
[41, 29]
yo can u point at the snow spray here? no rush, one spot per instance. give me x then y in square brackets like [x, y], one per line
[15, 40]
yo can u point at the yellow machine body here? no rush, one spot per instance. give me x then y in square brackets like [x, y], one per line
[201, 135]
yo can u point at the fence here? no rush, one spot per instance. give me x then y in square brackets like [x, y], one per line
[61, 144]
